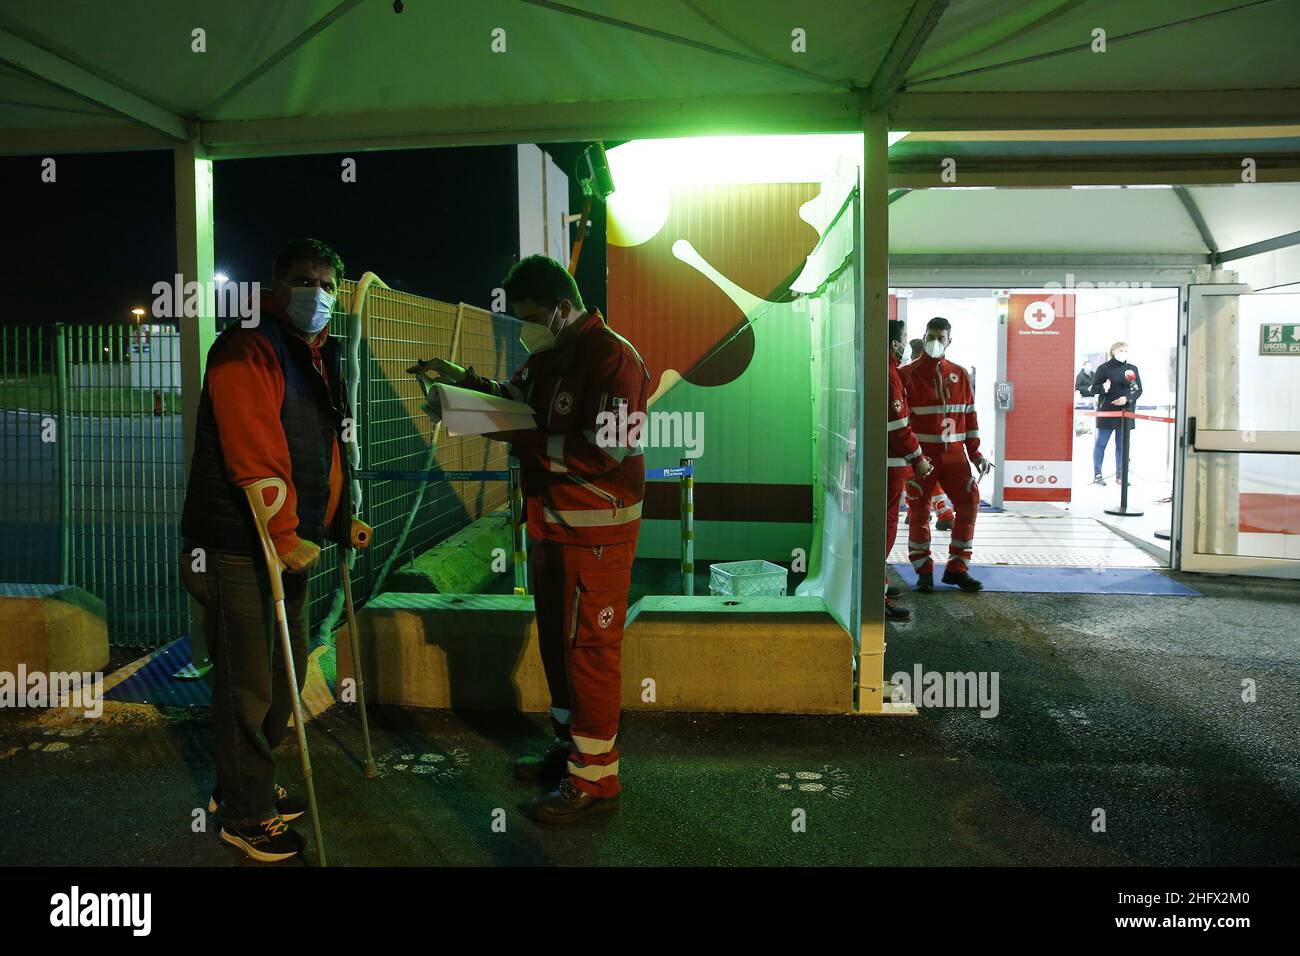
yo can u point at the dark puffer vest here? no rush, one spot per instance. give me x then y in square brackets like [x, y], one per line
[217, 516]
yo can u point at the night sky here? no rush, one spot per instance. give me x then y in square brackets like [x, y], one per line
[437, 222]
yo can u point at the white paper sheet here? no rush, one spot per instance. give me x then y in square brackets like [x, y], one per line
[467, 412]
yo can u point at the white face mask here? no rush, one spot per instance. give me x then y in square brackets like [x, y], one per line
[898, 349]
[540, 336]
[1121, 356]
[536, 337]
[935, 348]
[310, 308]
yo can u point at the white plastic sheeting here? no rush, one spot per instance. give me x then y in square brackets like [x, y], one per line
[835, 562]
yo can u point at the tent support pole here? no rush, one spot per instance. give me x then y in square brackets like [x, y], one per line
[194, 263]
[873, 280]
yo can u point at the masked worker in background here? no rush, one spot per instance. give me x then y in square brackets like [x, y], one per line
[583, 472]
[940, 504]
[943, 418]
[273, 406]
[904, 457]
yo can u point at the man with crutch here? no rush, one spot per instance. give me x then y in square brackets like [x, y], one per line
[269, 426]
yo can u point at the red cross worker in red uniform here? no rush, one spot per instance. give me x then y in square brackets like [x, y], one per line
[943, 419]
[904, 457]
[583, 473]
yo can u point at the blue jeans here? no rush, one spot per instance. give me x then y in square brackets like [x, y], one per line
[1099, 449]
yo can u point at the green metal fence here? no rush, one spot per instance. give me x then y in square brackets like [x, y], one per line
[398, 330]
[92, 481]
[91, 469]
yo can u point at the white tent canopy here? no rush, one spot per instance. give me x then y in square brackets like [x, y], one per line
[278, 76]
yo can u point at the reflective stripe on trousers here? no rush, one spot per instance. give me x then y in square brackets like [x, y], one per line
[580, 596]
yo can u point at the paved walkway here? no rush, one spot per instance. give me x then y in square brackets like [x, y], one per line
[1126, 705]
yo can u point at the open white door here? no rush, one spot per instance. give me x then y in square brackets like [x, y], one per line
[1240, 488]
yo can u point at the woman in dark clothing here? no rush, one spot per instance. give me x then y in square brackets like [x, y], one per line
[1118, 387]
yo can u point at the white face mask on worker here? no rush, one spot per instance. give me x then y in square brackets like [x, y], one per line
[540, 336]
[935, 348]
[536, 337]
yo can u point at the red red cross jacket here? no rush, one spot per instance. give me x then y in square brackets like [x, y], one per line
[942, 406]
[904, 449]
[583, 467]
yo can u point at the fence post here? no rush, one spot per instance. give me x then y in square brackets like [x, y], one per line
[688, 529]
[519, 538]
[63, 446]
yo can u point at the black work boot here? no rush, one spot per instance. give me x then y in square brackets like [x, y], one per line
[943, 524]
[925, 583]
[567, 803]
[269, 841]
[893, 590]
[962, 580]
[548, 769]
[895, 613]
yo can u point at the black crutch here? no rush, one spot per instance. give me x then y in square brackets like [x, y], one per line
[361, 533]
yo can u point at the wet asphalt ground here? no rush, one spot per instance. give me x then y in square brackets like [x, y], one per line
[1122, 738]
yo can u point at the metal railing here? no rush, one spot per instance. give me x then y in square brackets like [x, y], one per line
[92, 481]
[91, 472]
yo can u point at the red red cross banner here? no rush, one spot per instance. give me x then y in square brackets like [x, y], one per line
[1039, 442]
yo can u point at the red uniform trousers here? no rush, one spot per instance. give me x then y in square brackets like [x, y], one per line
[580, 596]
[895, 481]
[952, 471]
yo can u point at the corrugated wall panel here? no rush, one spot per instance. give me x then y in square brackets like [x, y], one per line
[698, 300]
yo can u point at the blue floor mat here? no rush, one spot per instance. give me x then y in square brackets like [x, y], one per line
[154, 684]
[1035, 580]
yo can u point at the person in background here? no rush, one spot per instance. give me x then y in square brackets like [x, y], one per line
[1083, 381]
[1118, 386]
[940, 503]
[943, 414]
[904, 459]
[1083, 385]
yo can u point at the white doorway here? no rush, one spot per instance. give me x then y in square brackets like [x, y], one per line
[1146, 320]
[1076, 532]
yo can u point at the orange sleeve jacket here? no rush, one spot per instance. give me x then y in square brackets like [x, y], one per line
[246, 385]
